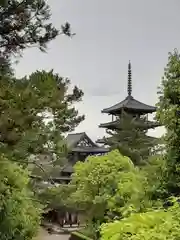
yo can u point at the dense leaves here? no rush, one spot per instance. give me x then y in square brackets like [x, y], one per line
[159, 224]
[57, 197]
[35, 111]
[155, 172]
[131, 139]
[106, 186]
[19, 211]
[168, 115]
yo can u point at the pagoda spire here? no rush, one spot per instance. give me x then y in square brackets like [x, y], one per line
[129, 85]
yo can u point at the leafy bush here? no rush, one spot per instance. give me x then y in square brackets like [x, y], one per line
[168, 115]
[57, 197]
[107, 186]
[157, 224]
[155, 172]
[19, 212]
[79, 236]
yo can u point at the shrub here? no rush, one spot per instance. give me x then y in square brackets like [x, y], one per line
[158, 225]
[19, 212]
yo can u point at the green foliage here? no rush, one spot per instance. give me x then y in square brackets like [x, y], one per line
[168, 115]
[158, 224]
[57, 197]
[79, 235]
[19, 211]
[130, 138]
[161, 173]
[155, 172]
[106, 186]
[91, 230]
[35, 111]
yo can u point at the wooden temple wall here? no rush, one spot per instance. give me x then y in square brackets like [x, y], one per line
[62, 218]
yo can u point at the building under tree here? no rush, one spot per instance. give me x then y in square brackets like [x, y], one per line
[80, 146]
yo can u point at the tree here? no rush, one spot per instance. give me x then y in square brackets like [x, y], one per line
[155, 172]
[130, 138]
[19, 210]
[110, 188]
[168, 116]
[57, 197]
[106, 186]
[35, 112]
[25, 23]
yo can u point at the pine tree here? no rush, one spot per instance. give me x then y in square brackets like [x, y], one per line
[131, 139]
[35, 113]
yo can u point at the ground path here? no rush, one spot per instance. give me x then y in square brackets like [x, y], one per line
[55, 237]
[44, 235]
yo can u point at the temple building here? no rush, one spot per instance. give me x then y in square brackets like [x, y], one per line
[132, 107]
[81, 146]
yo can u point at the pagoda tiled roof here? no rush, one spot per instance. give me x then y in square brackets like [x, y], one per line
[130, 103]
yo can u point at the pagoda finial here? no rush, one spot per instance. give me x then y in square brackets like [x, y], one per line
[129, 86]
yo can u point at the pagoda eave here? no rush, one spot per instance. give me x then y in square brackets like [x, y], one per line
[127, 109]
[115, 124]
[130, 104]
[102, 141]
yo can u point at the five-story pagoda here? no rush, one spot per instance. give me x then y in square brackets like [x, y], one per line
[137, 110]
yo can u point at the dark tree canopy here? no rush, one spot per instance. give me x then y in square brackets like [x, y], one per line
[131, 140]
[34, 113]
[168, 115]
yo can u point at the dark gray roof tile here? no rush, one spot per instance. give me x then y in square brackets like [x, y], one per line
[74, 138]
[131, 104]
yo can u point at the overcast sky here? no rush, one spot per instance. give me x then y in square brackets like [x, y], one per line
[109, 33]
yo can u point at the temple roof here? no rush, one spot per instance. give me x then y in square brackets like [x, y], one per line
[93, 150]
[138, 123]
[131, 104]
[73, 138]
[80, 142]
